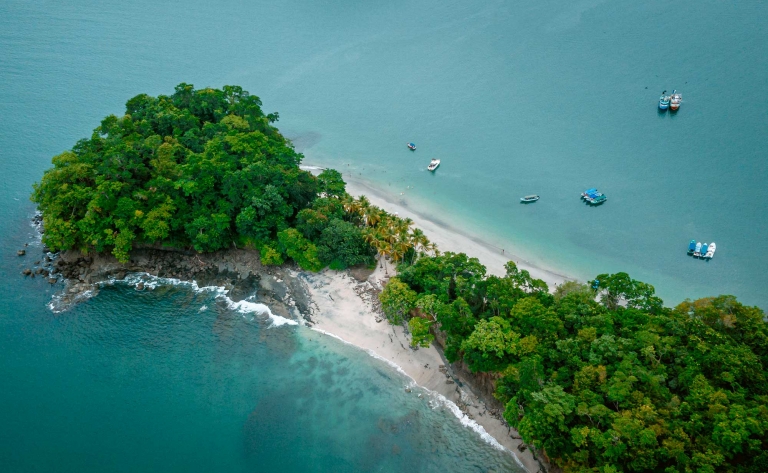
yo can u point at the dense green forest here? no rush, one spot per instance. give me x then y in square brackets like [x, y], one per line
[623, 384]
[603, 378]
[207, 170]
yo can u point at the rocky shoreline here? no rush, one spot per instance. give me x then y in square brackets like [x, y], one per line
[286, 290]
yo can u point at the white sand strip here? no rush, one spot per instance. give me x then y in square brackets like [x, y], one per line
[343, 313]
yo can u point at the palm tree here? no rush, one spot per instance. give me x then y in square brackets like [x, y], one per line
[350, 204]
[384, 249]
[370, 236]
[419, 241]
[373, 216]
[363, 204]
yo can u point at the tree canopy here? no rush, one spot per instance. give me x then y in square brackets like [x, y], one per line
[199, 168]
[603, 378]
[206, 169]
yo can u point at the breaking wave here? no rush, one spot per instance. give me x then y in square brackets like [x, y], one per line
[152, 282]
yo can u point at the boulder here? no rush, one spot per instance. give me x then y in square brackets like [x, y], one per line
[52, 280]
[26, 272]
[21, 252]
[140, 286]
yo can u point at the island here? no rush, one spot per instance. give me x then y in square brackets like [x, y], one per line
[597, 376]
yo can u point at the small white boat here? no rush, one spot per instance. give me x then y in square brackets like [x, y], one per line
[697, 251]
[433, 165]
[529, 198]
[675, 100]
[710, 250]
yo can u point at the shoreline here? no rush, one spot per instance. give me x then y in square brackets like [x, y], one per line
[447, 236]
[343, 308]
[342, 305]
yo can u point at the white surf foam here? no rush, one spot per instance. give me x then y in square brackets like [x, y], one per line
[244, 307]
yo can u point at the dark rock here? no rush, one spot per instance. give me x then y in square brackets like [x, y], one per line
[21, 252]
[52, 280]
[37, 262]
[26, 272]
[450, 381]
[140, 286]
[39, 271]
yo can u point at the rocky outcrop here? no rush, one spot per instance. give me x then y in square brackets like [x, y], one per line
[237, 270]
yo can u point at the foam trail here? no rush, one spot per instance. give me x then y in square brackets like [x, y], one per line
[438, 399]
[243, 307]
[246, 307]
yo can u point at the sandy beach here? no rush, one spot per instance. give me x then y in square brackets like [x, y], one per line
[449, 237]
[447, 234]
[343, 309]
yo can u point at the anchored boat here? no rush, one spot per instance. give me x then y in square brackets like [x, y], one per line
[710, 251]
[675, 100]
[433, 165]
[702, 250]
[593, 197]
[529, 198]
[411, 146]
[664, 101]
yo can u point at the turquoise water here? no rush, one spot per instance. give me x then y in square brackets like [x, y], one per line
[172, 380]
[551, 98]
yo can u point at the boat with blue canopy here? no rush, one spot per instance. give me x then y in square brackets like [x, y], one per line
[593, 197]
[664, 101]
[411, 146]
[691, 247]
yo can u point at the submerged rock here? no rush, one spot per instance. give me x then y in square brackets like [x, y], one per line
[21, 252]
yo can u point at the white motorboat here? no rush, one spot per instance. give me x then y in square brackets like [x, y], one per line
[433, 165]
[710, 250]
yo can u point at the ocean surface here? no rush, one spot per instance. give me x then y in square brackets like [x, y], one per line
[548, 97]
